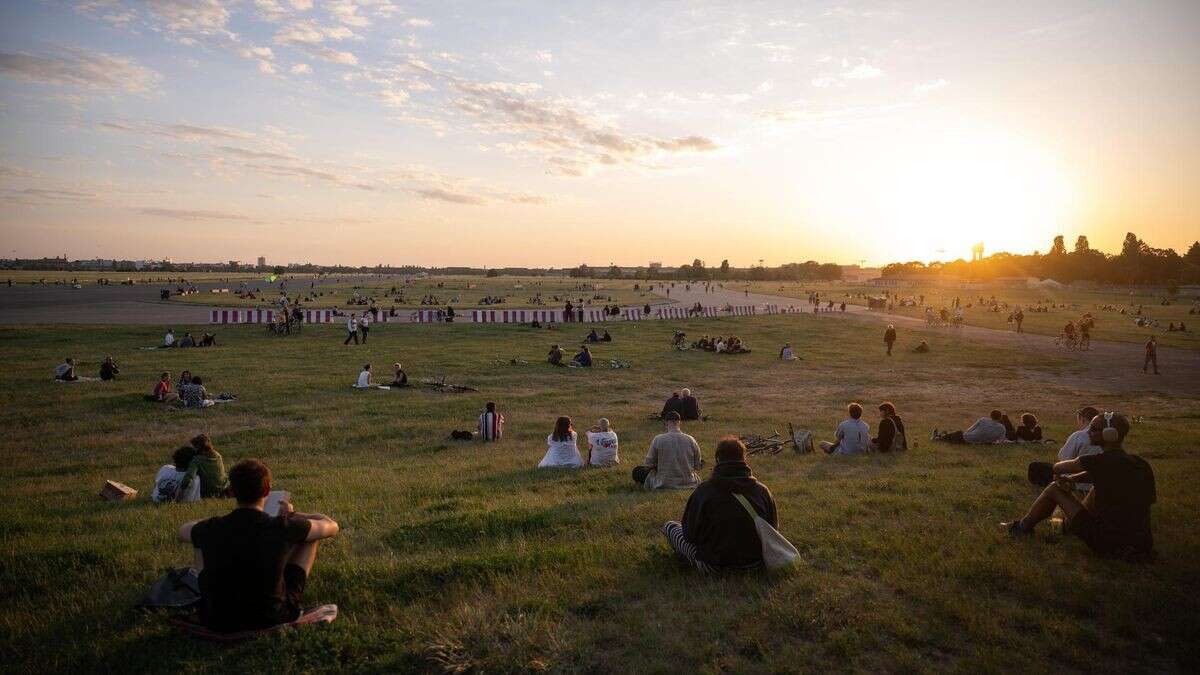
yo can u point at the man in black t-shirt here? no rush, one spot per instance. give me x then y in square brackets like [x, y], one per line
[253, 567]
[1114, 518]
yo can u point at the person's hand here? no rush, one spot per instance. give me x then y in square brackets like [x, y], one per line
[1063, 481]
[286, 509]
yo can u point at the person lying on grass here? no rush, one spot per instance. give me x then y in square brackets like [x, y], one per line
[193, 394]
[561, 451]
[253, 567]
[491, 423]
[65, 371]
[891, 430]
[986, 430]
[208, 467]
[1114, 518]
[1078, 444]
[717, 535]
[364, 378]
[672, 461]
[853, 435]
[922, 348]
[603, 444]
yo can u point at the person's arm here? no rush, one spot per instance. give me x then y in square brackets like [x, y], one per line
[651, 460]
[185, 531]
[193, 467]
[698, 458]
[321, 526]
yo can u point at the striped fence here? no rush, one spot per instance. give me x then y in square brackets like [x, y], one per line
[241, 316]
[318, 316]
[632, 313]
[587, 315]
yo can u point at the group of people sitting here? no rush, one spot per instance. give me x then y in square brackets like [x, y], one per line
[853, 435]
[995, 428]
[721, 345]
[189, 393]
[583, 359]
[593, 336]
[684, 404]
[196, 471]
[206, 340]
[563, 452]
[1172, 328]
[365, 381]
[65, 371]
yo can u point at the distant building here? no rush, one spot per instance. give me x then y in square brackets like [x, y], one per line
[856, 274]
[234, 265]
[656, 266]
[262, 261]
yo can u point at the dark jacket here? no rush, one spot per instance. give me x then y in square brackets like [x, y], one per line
[888, 427]
[689, 408]
[672, 404]
[718, 525]
[1024, 433]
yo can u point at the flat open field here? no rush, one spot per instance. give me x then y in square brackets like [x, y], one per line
[1110, 324]
[90, 277]
[462, 557]
[458, 291]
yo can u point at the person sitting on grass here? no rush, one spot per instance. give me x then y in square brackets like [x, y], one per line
[1114, 518]
[561, 451]
[583, 359]
[1010, 430]
[208, 467]
[185, 377]
[187, 341]
[170, 477]
[689, 406]
[169, 339]
[253, 567]
[209, 340]
[593, 336]
[65, 371]
[603, 444]
[986, 430]
[922, 348]
[399, 377]
[853, 435]
[672, 461]
[109, 369]
[1029, 431]
[787, 353]
[891, 430]
[606, 337]
[162, 389]
[491, 423]
[716, 534]
[193, 394]
[555, 357]
[672, 405]
[1078, 444]
[364, 378]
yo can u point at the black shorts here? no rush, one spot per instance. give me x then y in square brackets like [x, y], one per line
[1087, 527]
[294, 581]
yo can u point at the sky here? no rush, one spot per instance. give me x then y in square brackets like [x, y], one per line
[556, 133]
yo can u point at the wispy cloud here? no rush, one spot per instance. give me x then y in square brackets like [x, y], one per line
[80, 68]
[189, 214]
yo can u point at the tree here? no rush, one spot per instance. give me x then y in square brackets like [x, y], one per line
[1081, 244]
[725, 268]
[1193, 254]
[614, 272]
[1132, 246]
[1059, 247]
[581, 272]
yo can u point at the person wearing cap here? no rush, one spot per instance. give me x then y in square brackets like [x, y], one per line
[673, 459]
[1114, 518]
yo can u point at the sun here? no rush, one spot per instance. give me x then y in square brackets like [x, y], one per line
[951, 193]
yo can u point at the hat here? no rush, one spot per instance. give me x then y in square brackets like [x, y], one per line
[672, 416]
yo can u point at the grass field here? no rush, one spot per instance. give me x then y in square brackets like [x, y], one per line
[459, 291]
[91, 277]
[465, 558]
[1110, 325]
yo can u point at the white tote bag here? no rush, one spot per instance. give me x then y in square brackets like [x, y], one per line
[777, 551]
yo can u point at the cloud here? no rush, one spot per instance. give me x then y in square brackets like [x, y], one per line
[208, 18]
[393, 97]
[932, 85]
[257, 53]
[253, 154]
[57, 195]
[189, 214]
[543, 56]
[334, 56]
[180, 131]
[862, 71]
[439, 194]
[346, 11]
[418, 23]
[308, 32]
[302, 69]
[80, 68]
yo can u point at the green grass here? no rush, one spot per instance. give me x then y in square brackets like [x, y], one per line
[464, 557]
[1110, 325]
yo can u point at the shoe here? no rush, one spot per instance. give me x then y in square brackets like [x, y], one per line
[1014, 529]
[933, 435]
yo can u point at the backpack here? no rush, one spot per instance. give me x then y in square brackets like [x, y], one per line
[777, 551]
[802, 440]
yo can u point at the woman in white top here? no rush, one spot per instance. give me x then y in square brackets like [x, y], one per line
[364, 378]
[561, 450]
[602, 444]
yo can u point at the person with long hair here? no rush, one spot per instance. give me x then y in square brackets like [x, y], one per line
[891, 430]
[1029, 431]
[208, 467]
[561, 451]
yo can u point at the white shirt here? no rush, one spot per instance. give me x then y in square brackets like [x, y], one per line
[854, 436]
[561, 453]
[603, 447]
[1078, 444]
[169, 339]
[365, 320]
[787, 354]
[352, 325]
[166, 486]
[364, 379]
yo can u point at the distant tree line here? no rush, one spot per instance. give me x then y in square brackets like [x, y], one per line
[699, 271]
[1137, 263]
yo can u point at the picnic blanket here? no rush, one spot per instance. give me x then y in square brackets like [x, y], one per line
[192, 626]
[81, 378]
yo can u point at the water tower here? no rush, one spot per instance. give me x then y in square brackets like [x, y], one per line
[977, 252]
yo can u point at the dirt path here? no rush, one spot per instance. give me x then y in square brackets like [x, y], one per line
[1108, 366]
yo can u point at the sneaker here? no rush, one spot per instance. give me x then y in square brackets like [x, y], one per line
[933, 435]
[1014, 529]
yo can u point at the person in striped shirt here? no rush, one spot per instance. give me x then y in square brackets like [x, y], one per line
[491, 423]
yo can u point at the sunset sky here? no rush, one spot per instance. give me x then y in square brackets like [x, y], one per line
[554, 133]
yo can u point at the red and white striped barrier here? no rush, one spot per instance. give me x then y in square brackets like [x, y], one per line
[595, 315]
[425, 315]
[318, 316]
[742, 310]
[241, 315]
[671, 313]
[712, 312]
[632, 314]
[772, 309]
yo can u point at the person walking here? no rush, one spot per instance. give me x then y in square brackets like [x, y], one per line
[364, 326]
[1151, 354]
[889, 338]
[351, 329]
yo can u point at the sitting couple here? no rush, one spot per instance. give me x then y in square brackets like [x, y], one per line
[594, 337]
[853, 436]
[196, 471]
[581, 360]
[253, 567]
[399, 377]
[562, 452]
[995, 428]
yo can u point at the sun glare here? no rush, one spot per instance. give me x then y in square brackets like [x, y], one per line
[996, 190]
